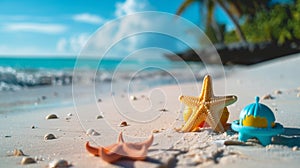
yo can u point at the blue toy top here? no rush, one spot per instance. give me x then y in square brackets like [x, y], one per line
[258, 110]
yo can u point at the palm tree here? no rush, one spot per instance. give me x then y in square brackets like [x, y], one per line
[210, 5]
[248, 8]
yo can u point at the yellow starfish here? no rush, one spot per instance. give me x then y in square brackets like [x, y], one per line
[207, 107]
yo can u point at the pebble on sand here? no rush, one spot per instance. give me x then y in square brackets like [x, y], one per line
[18, 152]
[49, 137]
[123, 124]
[268, 97]
[133, 98]
[27, 160]
[91, 131]
[163, 110]
[99, 117]
[278, 92]
[70, 114]
[51, 116]
[232, 142]
[61, 163]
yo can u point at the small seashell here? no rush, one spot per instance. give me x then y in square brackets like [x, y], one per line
[18, 152]
[133, 98]
[99, 117]
[298, 95]
[91, 131]
[123, 124]
[155, 131]
[70, 114]
[49, 137]
[51, 116]
[278, 92]
[27, 160]
[33, 127]
[61, 163]
[295, 148]
[268, 97]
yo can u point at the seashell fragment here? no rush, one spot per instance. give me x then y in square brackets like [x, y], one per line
[70, 114]
[49, 137]
[92, 132]
[27, 160]
[51, 116]
[61, 163]
[18, 152]
[123, 124]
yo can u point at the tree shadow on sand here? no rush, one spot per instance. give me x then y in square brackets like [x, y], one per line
[290, 137]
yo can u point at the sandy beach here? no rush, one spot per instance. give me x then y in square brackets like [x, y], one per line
[158, 111]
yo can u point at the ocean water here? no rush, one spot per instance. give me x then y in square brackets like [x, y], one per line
[34, 83]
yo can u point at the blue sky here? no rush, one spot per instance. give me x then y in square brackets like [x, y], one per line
[61, 27]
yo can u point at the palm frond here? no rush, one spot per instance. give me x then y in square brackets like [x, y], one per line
[184, 5]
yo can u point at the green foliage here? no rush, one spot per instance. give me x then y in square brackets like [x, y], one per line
[231, 37]
[280, 23]
[211, 34]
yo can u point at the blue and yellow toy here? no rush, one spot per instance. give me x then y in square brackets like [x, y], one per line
[257, 121]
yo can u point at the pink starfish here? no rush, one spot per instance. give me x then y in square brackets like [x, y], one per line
[121, 149]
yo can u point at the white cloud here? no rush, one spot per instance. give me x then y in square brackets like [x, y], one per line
[72, 45]
[131, 6]
[77, 42]
[35, 27]
[123, 36]
[88, 18]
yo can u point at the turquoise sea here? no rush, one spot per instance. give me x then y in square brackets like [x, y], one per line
[38, 82]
